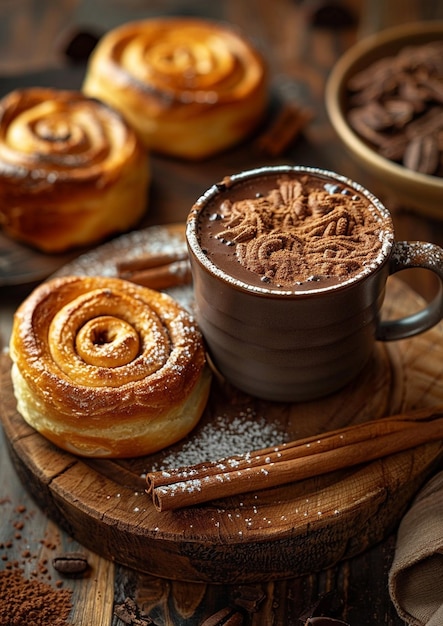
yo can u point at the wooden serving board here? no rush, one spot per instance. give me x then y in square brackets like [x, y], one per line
[273, 534]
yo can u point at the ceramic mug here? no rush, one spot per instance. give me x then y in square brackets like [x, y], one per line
[301, 341]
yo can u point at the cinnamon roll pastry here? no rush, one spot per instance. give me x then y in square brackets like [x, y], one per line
[72, 171]
[105, 368]
[190, 87]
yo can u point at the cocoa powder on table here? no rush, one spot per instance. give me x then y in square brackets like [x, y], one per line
[28, 596]
[32, 602]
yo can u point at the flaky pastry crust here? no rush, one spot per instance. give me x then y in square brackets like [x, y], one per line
[72, 171]
[190, 87]
[105, 368]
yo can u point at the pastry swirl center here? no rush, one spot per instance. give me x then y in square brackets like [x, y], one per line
[187, 62]
[106, 341]
[60, 136]
[107, 337]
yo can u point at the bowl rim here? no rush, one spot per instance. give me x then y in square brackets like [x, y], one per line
[335, 89]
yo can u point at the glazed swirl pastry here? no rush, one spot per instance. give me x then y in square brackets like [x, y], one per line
[72, 171]
[190, 87]
[105, 368]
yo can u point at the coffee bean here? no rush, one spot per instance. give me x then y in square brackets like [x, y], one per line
[71, 563]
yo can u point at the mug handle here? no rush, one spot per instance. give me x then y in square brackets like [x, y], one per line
[406, 255]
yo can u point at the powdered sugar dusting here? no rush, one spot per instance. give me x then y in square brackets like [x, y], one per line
[223, 436]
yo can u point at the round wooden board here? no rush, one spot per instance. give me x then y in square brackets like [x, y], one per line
[276, 533]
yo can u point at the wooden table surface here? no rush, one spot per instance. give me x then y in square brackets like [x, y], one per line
[300, 52]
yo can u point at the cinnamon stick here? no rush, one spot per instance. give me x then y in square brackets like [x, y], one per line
[298, 460]
[171, 275]
[149, 260]
[156, 271]
[287, 126]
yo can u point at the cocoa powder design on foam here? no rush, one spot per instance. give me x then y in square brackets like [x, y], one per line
[298, 233]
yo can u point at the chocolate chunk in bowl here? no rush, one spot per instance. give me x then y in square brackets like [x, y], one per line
[384, 100]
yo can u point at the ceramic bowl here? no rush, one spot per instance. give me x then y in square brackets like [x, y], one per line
[412, 190]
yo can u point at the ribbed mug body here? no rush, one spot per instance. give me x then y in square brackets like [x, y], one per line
[288, 348]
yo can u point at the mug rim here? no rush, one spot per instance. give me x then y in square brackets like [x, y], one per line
[233, 179]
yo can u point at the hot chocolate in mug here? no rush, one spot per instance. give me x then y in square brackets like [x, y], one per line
[290, 266]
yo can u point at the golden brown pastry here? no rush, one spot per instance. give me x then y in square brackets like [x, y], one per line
[72, 171]
[190, 87]
[105, 368]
